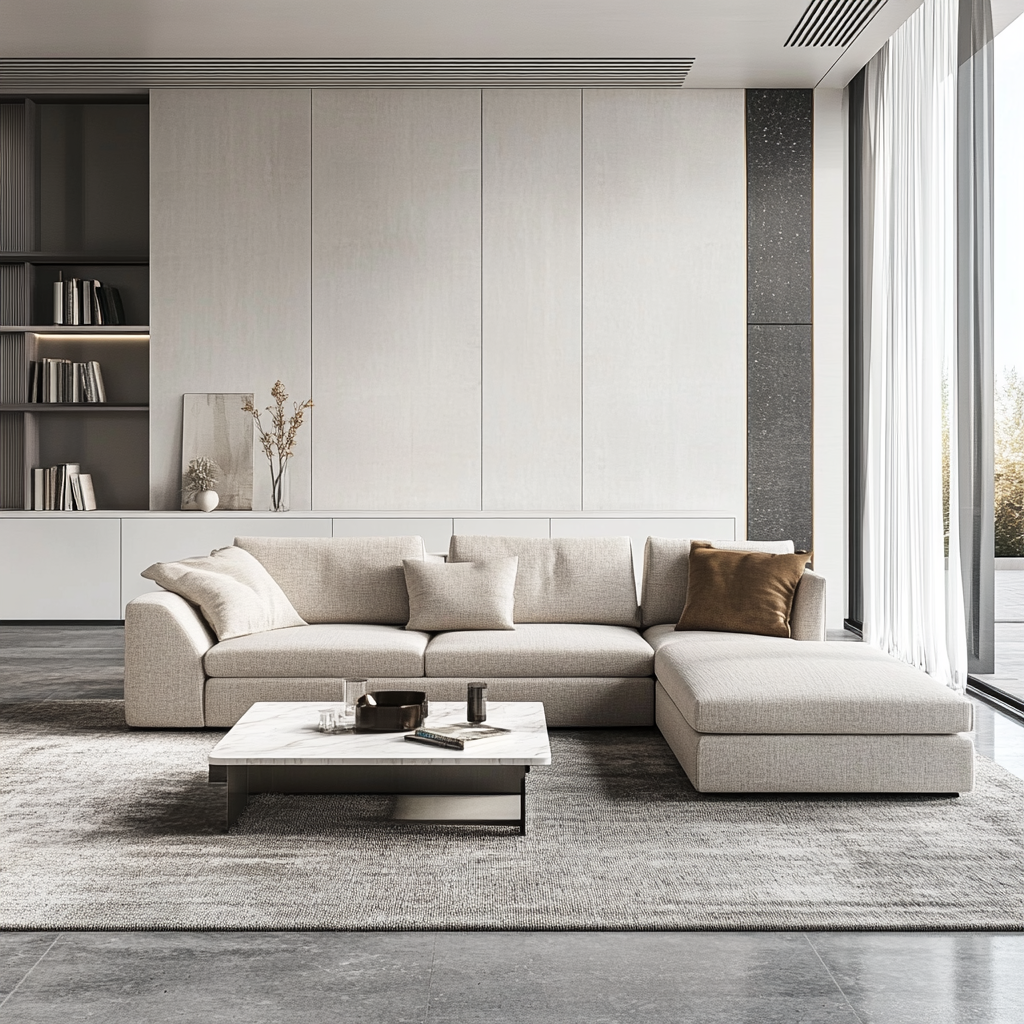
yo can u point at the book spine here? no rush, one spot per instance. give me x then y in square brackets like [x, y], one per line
[439, 739]
[76, 382]
[58, 299]
[88, 494]
[38, 489]
[98, 315]
[117, 310]
[76, 301]
[76, 493]
[87, 302]
[97, 376]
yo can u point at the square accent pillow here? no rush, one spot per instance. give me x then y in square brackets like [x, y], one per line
[235, 594]
[445, 596]
[740, 591]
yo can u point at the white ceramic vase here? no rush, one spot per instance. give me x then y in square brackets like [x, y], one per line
[207, 500]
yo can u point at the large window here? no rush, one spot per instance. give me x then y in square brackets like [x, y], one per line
[1009, 358]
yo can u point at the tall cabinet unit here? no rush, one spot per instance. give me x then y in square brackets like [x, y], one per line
[74, 201]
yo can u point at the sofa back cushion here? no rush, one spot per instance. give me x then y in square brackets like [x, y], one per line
[564, 579]
[340, 579]
[666, 571]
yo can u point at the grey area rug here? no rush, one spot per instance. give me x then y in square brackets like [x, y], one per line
[109, 828]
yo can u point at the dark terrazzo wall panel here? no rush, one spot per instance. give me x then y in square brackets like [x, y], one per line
[779, 303]
[779, 433]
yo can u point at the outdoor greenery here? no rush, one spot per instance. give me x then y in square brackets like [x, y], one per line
[1009, 465]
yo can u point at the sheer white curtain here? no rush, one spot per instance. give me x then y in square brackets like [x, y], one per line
[913, 606]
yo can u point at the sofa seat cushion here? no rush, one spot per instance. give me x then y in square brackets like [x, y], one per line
[541, 649]
[324, 650]
[736, 683]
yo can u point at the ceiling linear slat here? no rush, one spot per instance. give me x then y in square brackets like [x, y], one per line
[411, 72]
[833, 22]
[819, 14]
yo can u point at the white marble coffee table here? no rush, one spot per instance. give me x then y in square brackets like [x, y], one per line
[275, 747]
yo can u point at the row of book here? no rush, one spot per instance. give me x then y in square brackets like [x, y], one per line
[61, 380]
[83, 301]
[62, 488]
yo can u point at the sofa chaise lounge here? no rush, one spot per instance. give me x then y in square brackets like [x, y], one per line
[742, 713]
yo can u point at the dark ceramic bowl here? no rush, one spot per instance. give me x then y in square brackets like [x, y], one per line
[395, 711]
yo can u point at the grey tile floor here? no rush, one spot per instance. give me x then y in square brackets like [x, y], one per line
[439, 977]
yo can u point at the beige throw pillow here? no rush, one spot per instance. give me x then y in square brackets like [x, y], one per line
[236, 595]
[446, 596]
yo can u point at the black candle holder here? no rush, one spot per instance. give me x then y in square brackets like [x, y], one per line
[476, 702]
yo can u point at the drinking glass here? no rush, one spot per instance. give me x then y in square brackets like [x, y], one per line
[354, 689]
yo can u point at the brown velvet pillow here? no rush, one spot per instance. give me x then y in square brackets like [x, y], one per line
[741, 591]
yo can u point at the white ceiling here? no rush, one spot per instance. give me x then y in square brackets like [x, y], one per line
[736, 43]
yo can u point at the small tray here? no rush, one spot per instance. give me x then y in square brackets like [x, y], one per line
[395, 711]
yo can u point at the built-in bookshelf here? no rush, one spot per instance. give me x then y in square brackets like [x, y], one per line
[74, 205]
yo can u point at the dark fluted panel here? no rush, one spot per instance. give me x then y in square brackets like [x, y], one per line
[779, 433]
[13, 294]
[15, 197]
[779, 181]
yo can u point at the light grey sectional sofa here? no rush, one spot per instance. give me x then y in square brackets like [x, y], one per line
[741, 713]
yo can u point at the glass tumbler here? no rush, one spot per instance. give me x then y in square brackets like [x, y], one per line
[354, 689]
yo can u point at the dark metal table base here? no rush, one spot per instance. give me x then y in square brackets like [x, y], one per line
[434, 794]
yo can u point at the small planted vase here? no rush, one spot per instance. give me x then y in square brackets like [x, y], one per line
[207, 500]
[280, 493]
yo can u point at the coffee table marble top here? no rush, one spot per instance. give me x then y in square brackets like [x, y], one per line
[285, 732]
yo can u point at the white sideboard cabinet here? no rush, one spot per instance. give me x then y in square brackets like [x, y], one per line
[87, 565]
[60, 566]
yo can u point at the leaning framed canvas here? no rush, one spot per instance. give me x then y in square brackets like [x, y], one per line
[214, 427]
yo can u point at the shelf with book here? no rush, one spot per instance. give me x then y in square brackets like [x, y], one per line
[76, 406]
[78, 211]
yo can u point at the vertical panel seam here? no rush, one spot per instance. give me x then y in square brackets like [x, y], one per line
[312, 351]
[583, 424]
[482, 449]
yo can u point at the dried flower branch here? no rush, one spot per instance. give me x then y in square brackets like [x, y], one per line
[278, 442]
[200, 476]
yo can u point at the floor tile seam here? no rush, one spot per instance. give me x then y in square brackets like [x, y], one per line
[846, 998]
[24, 977]
[430, 979]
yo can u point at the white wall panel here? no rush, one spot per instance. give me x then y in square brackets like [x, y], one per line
[60, 568]
[158, 539]
[638, 530]
[830, 391]
[664, 289]
[436, 533]
[488, 527]
[230, 263]
[532, 254]
[396, 298]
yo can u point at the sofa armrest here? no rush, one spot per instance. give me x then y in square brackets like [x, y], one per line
[807, 619]
[165, 639]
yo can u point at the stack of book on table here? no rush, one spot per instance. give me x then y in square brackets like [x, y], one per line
[62, 488]
[83, 301]
[61, 380]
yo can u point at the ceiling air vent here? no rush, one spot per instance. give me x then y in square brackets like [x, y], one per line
[833, 22]
[27, 73]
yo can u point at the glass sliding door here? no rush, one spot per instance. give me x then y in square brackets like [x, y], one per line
[1008, 448]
